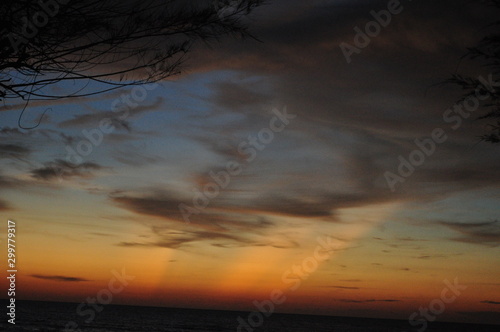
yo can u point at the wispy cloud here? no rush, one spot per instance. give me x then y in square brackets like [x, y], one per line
[174, 240]
[14, 151]
[234, 96]
[342, 287]
[91, 120]
[367, 301]
[61, 168]
[481, 233]
[431, 256]
[58, 278]
[350, 280]
[10, 182]
[167, 238]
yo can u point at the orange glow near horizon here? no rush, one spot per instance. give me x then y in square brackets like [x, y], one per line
[182, 278]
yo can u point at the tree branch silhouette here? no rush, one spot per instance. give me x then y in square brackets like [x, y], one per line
[488, 52]
[45, 42]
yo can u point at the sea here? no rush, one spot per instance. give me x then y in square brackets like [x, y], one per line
[58, 316]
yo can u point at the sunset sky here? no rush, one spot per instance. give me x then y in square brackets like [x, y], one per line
[322, 175]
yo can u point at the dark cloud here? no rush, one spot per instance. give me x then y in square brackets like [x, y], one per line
[222, 144]
[14, 151]
[168, 238]
[342, 287]
[410, 239]
[135, 244]
[162, 204]
[296, 206]
[132, 156]
[490, 302]
[430, 256]
[61, 169]
[7, 131]
[9, 182]
[58, 278]
[175, 240]
[233, 211]
[314, 204]
[47, 104]
[403, 245]
[468, 174]
[220, 225]
[372, 99]
[234, 96]
[367, 301]
[117, 119]
[350, 280]
[481, 233]
[27, 143]
[166, 205]
[4, 206]
[68, 139]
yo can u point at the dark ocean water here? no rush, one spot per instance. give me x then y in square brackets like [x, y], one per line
[52, 316]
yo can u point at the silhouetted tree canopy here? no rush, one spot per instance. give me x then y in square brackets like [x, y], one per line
[488, 52]
[115, 42]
